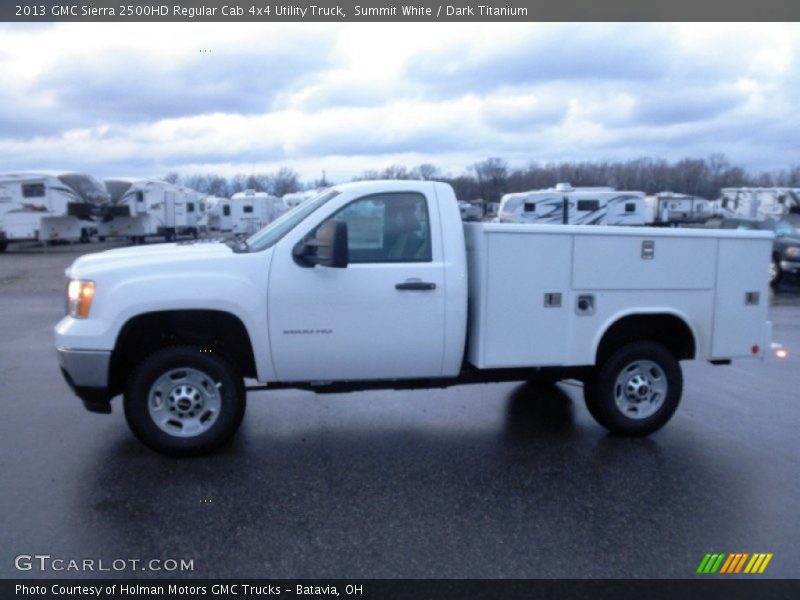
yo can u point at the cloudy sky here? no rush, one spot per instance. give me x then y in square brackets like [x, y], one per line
[144, 99]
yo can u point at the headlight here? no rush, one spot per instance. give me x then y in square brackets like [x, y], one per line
[792, 251]
[79, 298]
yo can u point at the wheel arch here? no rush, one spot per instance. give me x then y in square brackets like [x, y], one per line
[666, 326]
[210, 329]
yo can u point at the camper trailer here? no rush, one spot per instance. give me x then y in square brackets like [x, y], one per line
[674, 209]
[43, 206]
[294, 199]
[251, 211]
[564, 204]
[194, 214]
[212, 214]
[143, 207]
[297, 198]
[759, 203]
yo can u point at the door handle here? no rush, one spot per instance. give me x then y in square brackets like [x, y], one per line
[415, 285]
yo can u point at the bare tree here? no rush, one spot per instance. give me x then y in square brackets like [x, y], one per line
[492, 175]
[426, 172]
[283, 181]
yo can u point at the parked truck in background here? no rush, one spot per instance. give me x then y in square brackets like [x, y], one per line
[380, 285]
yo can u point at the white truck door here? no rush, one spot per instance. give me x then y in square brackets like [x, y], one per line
[383, 316]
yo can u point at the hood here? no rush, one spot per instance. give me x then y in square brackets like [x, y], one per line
[153, 257]
[788, 240]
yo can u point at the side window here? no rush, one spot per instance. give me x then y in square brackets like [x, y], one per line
[190, 207]
[226, 210]
[590, 205]
[391, 227]
[630, 207]
[247, 209]
[529, 207]
[32, 190]
[140, 196]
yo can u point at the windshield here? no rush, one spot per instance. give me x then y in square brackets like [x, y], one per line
[286, 222]
[786, 230]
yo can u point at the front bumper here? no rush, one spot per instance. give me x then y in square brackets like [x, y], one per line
[86, 373]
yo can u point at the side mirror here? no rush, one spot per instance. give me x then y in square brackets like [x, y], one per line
[329, 249]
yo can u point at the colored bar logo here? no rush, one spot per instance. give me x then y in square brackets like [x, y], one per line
[736, 562]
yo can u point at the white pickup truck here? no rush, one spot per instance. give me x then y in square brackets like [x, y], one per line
[380, 285]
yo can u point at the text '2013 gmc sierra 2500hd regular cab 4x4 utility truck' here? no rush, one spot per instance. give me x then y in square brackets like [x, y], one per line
[380, 285]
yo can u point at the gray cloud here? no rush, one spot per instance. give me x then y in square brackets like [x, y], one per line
[121, 88]
[668, 106]
[564, 52]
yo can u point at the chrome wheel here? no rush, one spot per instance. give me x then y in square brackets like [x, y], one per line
[184, 402]
[773, 271]
[640, 389]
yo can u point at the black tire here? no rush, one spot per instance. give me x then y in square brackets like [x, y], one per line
[601, 394]
[776, 273]
[3, 246]
[230, 397]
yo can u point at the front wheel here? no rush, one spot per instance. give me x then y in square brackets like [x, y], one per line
[636, 390]
[181, 401]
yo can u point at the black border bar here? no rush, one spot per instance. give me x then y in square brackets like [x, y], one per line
[396, 10]
[706, 588]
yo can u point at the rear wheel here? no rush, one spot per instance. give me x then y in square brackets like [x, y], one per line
[636, 390]
[181, 401]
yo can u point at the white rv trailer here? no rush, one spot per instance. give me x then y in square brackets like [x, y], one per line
[564, 204]
[49, 206]
[212, 213]
[146, 207]
[194, 211]
[670, 208]
[294, 199]
[297, 198]
[759, 203]
[251, 211]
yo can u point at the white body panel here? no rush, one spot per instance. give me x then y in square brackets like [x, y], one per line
[701, 276]
[575, 206]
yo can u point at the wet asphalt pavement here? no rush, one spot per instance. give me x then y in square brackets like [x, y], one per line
[500, 480]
